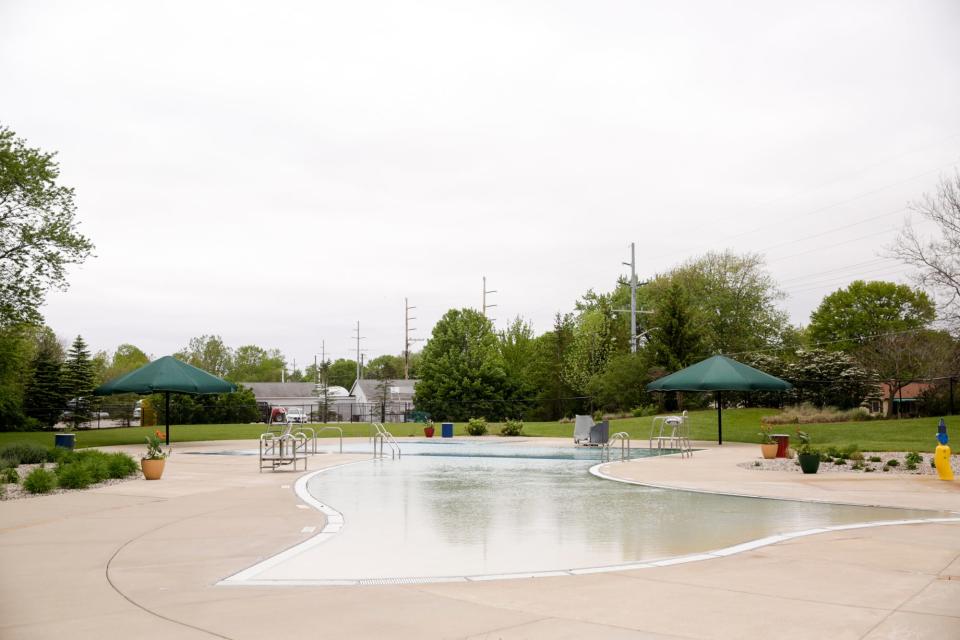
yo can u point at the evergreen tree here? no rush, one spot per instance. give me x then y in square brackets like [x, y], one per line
[676, 339]
[78, 381]
[43, 396]
[461, 372]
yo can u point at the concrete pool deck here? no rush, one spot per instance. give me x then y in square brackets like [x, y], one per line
[140, 559]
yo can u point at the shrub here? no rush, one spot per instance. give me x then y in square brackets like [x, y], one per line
[893, 462]
[61, 455]
[857, 465]
[97, 466]
[40, 480]
[512, 428]
[74, 476]
[477, 426]
[876, 459]
[869, 470]
[913, 457]
[9, 476]
[856, 456]
[644, 410]
[121, 465]
[25, 452]
[840, 462]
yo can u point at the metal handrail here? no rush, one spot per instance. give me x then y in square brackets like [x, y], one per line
[338, 429]
[624, 439]
[313, 437]
[385, 436]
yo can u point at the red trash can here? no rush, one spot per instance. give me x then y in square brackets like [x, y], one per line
[783, 443]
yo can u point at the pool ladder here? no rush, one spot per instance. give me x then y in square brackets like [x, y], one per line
[624, 439]
[384, 437]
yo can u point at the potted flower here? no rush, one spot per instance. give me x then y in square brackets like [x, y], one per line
[768, 446]
[152, 463]
[807, 456]
[428, 429]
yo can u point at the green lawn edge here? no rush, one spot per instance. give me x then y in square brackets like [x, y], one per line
[739, 425]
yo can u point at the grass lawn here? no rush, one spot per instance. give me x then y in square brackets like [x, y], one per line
[739, 425]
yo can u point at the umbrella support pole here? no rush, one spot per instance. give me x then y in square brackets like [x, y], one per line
[719, 417]
[166, 413]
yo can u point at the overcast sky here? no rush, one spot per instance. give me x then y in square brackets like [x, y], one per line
[274, 172]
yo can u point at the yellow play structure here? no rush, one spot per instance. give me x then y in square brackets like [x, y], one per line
[941, 455]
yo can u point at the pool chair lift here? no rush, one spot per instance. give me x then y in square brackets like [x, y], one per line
[671, 433]
[283, 449]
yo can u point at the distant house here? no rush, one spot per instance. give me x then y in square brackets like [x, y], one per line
[372, 406]
[905, 400]
[304, 396]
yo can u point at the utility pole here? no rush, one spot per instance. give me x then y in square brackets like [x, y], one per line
[406, 337]
[359, 338]
[485, 292]
[634, 338]
[633, 298]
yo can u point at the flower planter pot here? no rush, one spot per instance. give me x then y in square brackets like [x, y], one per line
[428, 431]
[809, 462]
[152, 468]
[769, 451]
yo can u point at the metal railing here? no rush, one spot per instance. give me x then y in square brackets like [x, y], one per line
[382, 436]
[624, 439]
[338, 430]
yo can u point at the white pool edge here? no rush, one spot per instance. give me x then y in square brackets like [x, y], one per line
[336, 522]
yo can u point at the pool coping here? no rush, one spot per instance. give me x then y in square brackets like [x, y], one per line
[335, 523]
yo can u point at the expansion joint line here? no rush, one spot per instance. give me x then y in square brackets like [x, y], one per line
[143, 607]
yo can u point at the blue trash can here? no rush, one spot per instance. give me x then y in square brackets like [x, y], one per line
[446, 429]
[64, 440]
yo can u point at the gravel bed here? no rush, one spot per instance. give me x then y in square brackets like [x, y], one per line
[17, 492]
[924, 468]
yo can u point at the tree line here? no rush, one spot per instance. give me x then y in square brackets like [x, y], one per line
[860, 336]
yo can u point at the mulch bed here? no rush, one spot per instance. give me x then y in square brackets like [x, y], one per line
[924, 468]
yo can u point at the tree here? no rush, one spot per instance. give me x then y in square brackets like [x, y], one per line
[384, 367]
[594, 341]
[125, 359]
[848, 317]
[461, 371]
[78, 381]
[38, 230]
[44, 399]
[938, 257]
[735, 298]
[827, 379]
[208, 353]
[342, 373]
[676, 338]
[901, 358]
[621, 384]
[518, 349]
[15, 357]
[555, 397]
[255, 364]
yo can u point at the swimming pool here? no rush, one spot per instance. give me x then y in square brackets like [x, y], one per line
[483, 511]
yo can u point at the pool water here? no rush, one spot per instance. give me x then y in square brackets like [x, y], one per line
[509, 509]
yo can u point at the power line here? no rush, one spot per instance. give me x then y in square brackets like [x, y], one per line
[818, 210]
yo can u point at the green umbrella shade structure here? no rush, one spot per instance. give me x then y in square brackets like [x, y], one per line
[166, 375]
[719, 374]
